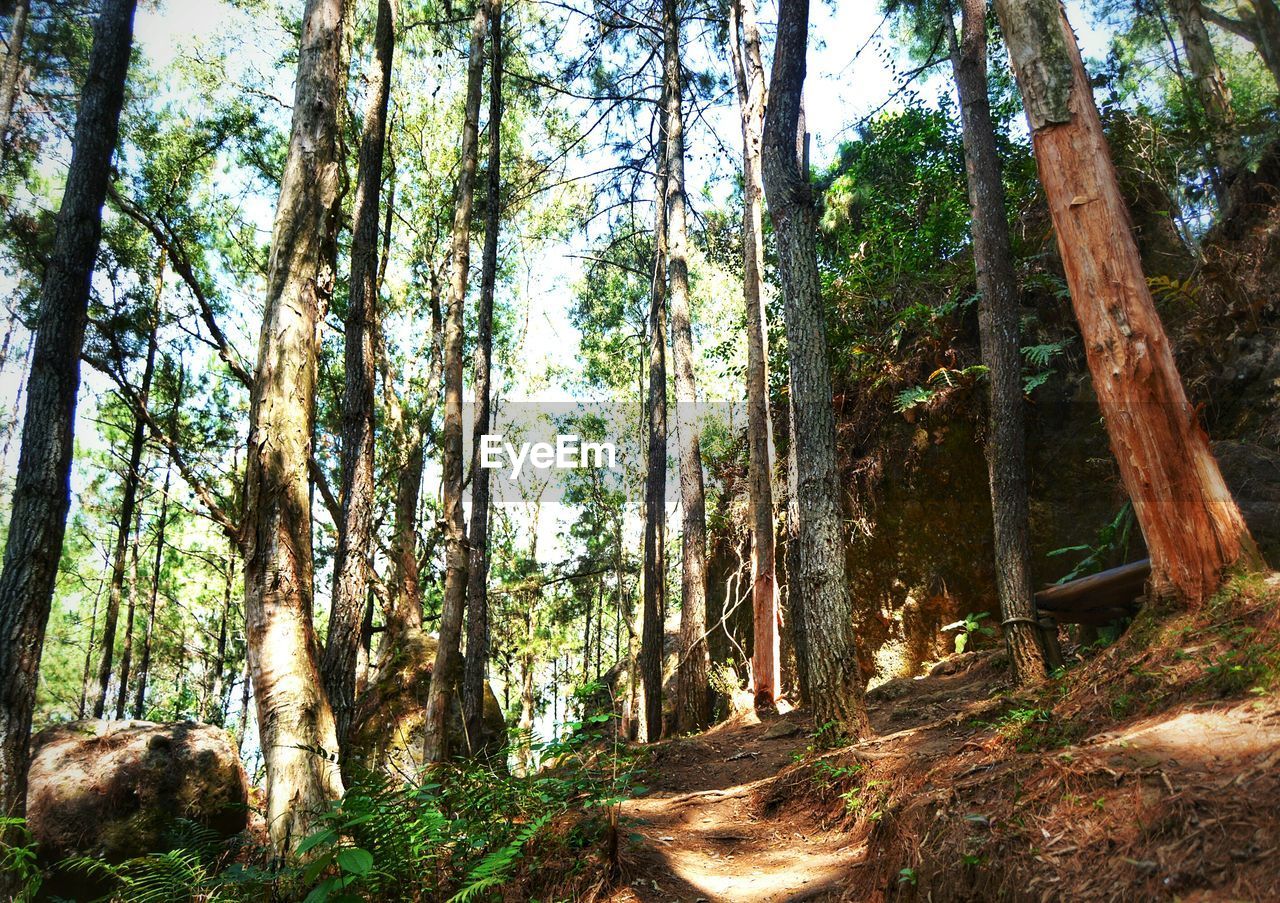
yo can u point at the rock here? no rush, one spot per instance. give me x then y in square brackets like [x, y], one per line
[387, 730]
[117, 789]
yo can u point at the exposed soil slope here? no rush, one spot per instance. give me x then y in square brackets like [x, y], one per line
[1150, 772]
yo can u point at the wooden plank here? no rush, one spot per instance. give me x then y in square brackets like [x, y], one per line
[1117, 588]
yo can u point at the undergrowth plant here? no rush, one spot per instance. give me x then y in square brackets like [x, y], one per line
[453, 833]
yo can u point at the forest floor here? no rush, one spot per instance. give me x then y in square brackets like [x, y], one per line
[1151, 771]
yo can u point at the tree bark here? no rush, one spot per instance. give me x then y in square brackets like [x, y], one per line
[693, 700]
[834, 676]
[444, 676]
[295, 721]
[999, 338]
[355, 533]
[653, 608]
[42, 491]
[12, 70]
[477, 663]
[128, 501]
[1211, 87]
[157, 564]
[1259, 24]
[744, 47]
[1191, 523]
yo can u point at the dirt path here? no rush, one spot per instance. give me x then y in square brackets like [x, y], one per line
[701, 837]
[701, 834]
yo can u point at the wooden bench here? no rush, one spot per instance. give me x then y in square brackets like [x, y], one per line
[1091, 602]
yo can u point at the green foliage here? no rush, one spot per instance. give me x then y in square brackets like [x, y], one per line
[970, 627]
[1112, 541]
[18, 857]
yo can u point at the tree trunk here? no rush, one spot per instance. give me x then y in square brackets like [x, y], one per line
[444, 676]
[404, 612]
[128, 501]
[744, 47]
[998, 334]
[295, 722]
[1267, 26]
[214, 710]
[355, 532]
[834, 676]
[693, 701]
[1211, 88]
[157, 564]
[477, 664]
[653, 610]
[1259, 24]
[86, 677]
[1192, 525]
[126, 653]
[42, 491]
[12, 70]
[795, 598]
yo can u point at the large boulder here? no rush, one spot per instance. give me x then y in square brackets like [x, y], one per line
[117, 789]
[388, 727]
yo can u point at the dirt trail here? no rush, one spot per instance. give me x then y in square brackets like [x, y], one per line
[703, 835]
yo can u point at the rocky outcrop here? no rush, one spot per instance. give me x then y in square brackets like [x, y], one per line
[387, 730]
[115, 790]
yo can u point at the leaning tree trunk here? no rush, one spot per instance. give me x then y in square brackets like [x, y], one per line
[766, 658]
[355, 534]
[295, 721]
[444, 676]
[476, 669]
[12, 70]
[42, 488]
[1259, 24]
[1191, 523]
[1211, 87]
[998, 334]
[834, 676]
[654, 605]
[128, 501]
[693, 699]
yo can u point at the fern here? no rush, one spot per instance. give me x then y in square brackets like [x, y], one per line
[495, 868]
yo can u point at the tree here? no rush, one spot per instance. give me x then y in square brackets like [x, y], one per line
[355, 534]
[295, 720]
[693, 700]
[1211, 85]
[11, 71]
[1191, 523]
[41, 496]
[477, 663]
[744, 50]
[128, 501]
[999, 337]
[1258, 23]
[835, 680]
[444, 675]
[654, 575]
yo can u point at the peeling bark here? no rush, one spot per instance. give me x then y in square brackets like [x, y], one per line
[1191, 523]
[295, 721]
